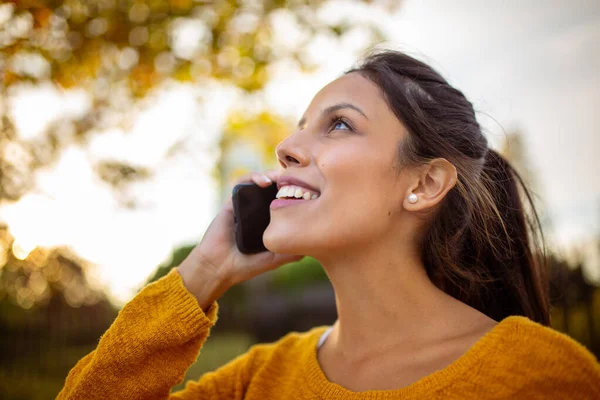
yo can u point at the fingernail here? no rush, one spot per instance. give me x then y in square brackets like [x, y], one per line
[267, 179]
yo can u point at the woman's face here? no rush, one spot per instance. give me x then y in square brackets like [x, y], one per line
[345, 148]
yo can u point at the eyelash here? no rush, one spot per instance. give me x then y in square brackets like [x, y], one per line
[334, 120]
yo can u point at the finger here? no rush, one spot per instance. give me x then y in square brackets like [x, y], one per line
[274, 174]
[256, 264]
[261, 180]
[244, 178]
[227, 202]
[255, 177]
[269, 260]
[227, 205]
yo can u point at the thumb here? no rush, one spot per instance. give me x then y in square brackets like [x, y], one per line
[267, 260]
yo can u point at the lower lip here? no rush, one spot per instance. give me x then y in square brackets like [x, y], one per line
[278, 203]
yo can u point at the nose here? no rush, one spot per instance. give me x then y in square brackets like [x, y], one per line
[291, 153]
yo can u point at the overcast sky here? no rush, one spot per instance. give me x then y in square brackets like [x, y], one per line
[527, 65]
[532, 65]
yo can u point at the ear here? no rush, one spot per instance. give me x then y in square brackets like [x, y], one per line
[431, 183]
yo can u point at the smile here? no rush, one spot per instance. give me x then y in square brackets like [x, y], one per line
[293, 195]
[296, 192]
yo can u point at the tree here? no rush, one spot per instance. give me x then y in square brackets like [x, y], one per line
[49, 318]
[118, 50]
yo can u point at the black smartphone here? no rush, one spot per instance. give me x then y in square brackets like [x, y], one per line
[251, 215]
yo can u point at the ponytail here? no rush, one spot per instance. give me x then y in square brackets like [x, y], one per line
[518, 259]
[482, 247]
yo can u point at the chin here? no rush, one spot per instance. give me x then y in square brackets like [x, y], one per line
[284, 242]
[278, 243]
[296, 245]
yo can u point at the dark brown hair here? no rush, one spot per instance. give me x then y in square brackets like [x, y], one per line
[483, 247]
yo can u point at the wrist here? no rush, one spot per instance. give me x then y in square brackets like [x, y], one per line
[204, 285]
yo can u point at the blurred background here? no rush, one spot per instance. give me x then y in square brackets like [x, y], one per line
[124, 122]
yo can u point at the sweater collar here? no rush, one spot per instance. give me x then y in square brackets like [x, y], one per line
[318, 383]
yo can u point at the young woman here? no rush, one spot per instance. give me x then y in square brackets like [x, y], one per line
[440, 287]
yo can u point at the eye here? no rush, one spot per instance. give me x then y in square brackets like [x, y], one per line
[337, 123]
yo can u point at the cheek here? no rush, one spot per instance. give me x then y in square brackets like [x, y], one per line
[336, 222]
[356, 206]
[353, 209]
[359, 198]
[357, 215]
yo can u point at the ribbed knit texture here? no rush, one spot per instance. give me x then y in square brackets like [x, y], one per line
[160, 333]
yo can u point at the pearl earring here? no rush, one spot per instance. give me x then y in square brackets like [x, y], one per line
[412, 198]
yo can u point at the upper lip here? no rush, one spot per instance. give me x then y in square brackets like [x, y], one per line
[290, 180]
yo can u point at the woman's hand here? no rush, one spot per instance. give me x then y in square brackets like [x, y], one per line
[216, 264]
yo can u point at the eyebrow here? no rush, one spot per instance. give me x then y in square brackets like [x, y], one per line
[336, 107]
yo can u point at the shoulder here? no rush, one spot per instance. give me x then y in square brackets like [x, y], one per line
[293, 346]
[544, 344]
[542, 355]
[291, 340]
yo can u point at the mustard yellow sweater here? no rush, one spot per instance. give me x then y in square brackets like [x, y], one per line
[160, 332]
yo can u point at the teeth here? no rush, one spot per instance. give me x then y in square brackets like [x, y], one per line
[296, 192]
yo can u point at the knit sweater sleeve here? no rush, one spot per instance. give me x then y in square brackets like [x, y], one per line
[148, 348]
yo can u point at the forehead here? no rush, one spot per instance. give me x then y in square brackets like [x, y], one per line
[355, 89]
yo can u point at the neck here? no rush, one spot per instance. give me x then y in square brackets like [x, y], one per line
[384, 298]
